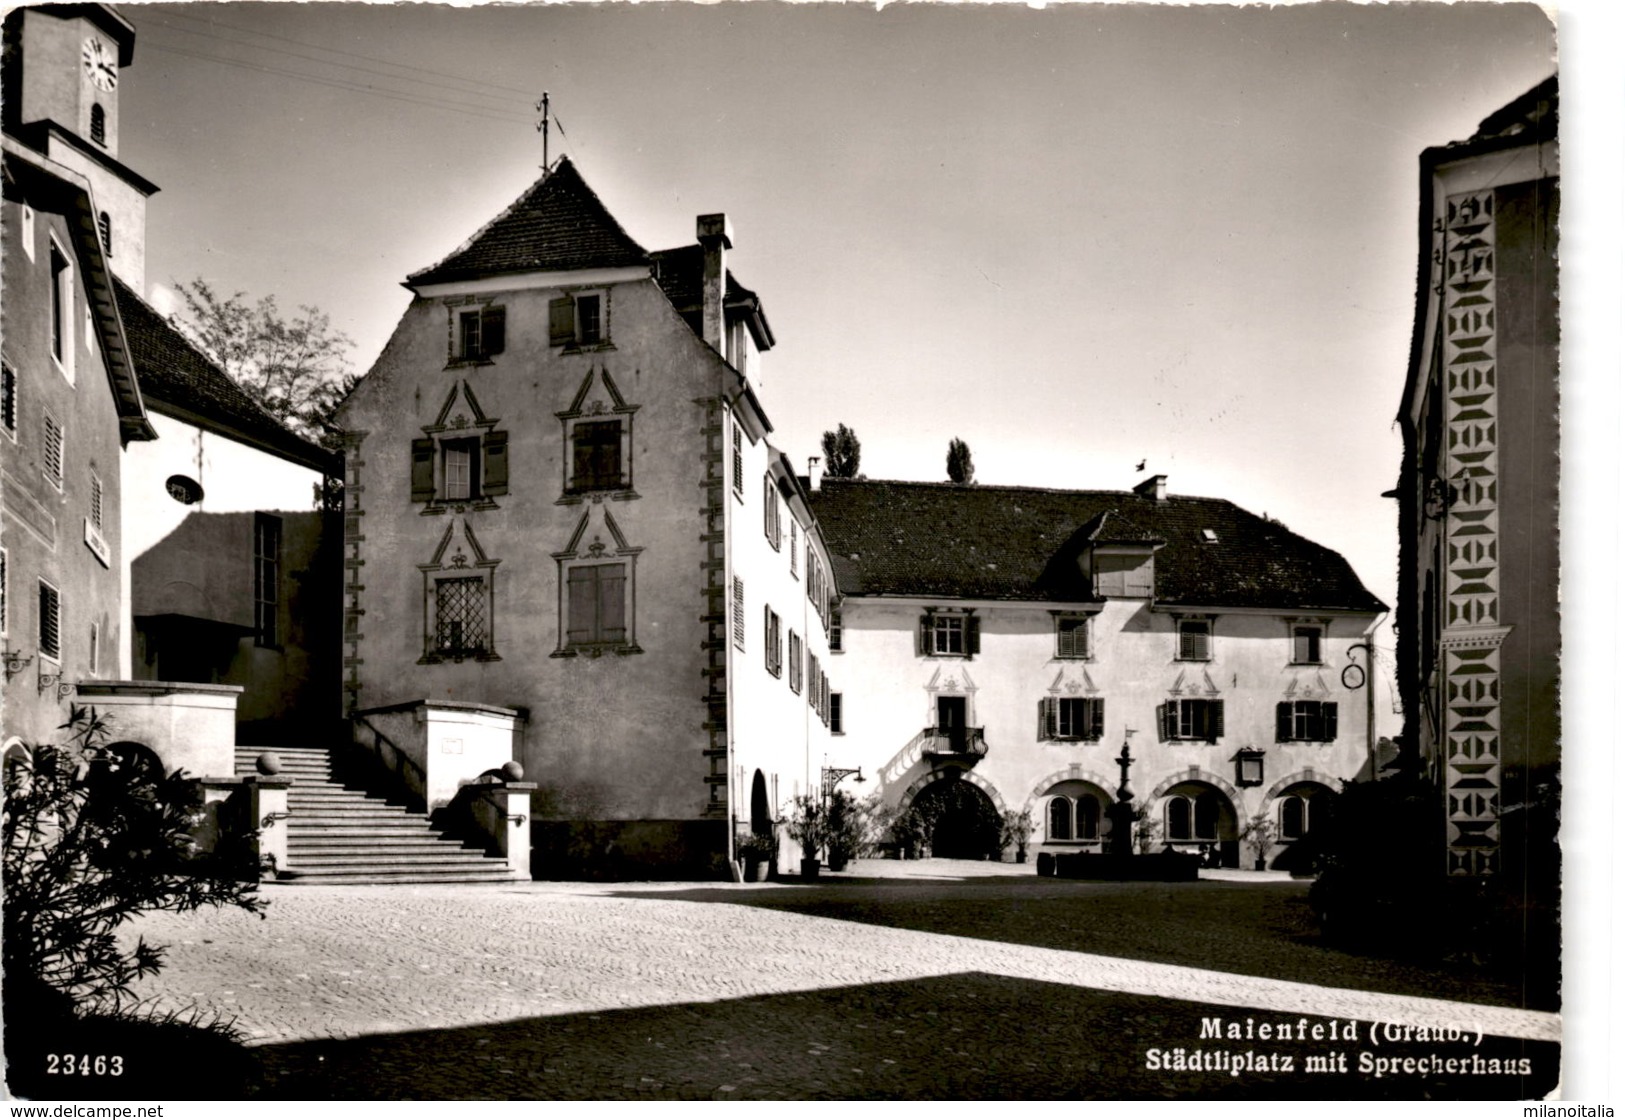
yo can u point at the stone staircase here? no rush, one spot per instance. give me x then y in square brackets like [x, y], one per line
[341, 834]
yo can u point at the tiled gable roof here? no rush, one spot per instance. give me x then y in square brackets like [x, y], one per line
[679, 273]
[1013, 543]
[557, 225]
[177, 379]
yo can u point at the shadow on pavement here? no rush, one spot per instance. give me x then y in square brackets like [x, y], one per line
[963, 1036]
[1254, 929]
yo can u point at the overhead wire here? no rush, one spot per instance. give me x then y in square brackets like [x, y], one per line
[504, 92]
[469, 109]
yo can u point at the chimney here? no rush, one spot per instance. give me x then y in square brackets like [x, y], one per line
[1155, 488]
[815, 473]
[715, 235]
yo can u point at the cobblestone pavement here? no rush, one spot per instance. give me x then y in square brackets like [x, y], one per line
[568, 990]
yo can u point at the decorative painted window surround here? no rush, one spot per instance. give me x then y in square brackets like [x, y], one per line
[459, 600]
[476, 330]
[461, 463]
[592, 467]
[578, 320]
[574, 556]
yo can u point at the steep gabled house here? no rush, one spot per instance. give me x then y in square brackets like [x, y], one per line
[554, 474]
[1003, 644]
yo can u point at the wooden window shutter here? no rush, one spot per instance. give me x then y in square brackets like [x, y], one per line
[925, 635]
[582, 593]
[611, 602]
[1049, 717]
[422, 470]
[1283, 722]
[1097, 718]
[973, 635]
[493, 331]
[1166, 715]
[1328, 730]
[496, 463]
[1215, 720]
[561, 321]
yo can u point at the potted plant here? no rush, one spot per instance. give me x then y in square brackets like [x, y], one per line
[1016, 832]
[844, 829]
[1258, 834]
[809, 827]
[759, 850]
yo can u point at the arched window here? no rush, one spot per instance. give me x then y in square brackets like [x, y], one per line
[1179, 818]
[1060, 819]
[1294, 817]
[1088, 819]
[98, 124]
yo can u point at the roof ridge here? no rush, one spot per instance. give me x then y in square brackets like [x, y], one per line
[563, 185]
[983, 486]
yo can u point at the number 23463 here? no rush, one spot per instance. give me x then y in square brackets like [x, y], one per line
[84, 1065]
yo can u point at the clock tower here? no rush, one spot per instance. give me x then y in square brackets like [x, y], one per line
[62, 66]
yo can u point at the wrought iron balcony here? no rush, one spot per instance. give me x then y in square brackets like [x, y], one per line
[963, 743]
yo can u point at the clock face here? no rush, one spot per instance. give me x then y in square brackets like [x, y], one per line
[100, 65]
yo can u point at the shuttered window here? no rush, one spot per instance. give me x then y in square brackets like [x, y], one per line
[460, 470]
[837, 714]
[796, 666]
[1195, 640]
[1072, 718]
[739, 613]
[481, 333]
[739, 458]
[50, 621]
[54, 451]
[1191, 719]
[597, 605]
[950, 634]
[578, 320]
[1072, 637]
[1305, 721]
[772, 649]
[1306, 645]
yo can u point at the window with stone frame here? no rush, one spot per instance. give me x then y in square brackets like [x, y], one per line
[480, 333]
[1305, 721]
[596, 459]
[1072, 718]
[458, 466]
[597, 596]
[578, 320]
[461, 625]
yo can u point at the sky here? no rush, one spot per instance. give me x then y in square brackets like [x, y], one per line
[1077, 238]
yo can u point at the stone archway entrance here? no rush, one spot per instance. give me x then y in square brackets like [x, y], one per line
[962, 820]
[761, 810]
[1195, 815]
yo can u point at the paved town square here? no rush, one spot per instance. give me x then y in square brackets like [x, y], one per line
[846, 989]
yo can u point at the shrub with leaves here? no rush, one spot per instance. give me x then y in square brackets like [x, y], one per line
[93, 834]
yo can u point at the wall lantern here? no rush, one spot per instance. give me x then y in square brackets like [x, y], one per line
[1249, 767]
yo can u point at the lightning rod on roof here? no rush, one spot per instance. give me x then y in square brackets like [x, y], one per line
[541, 125]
